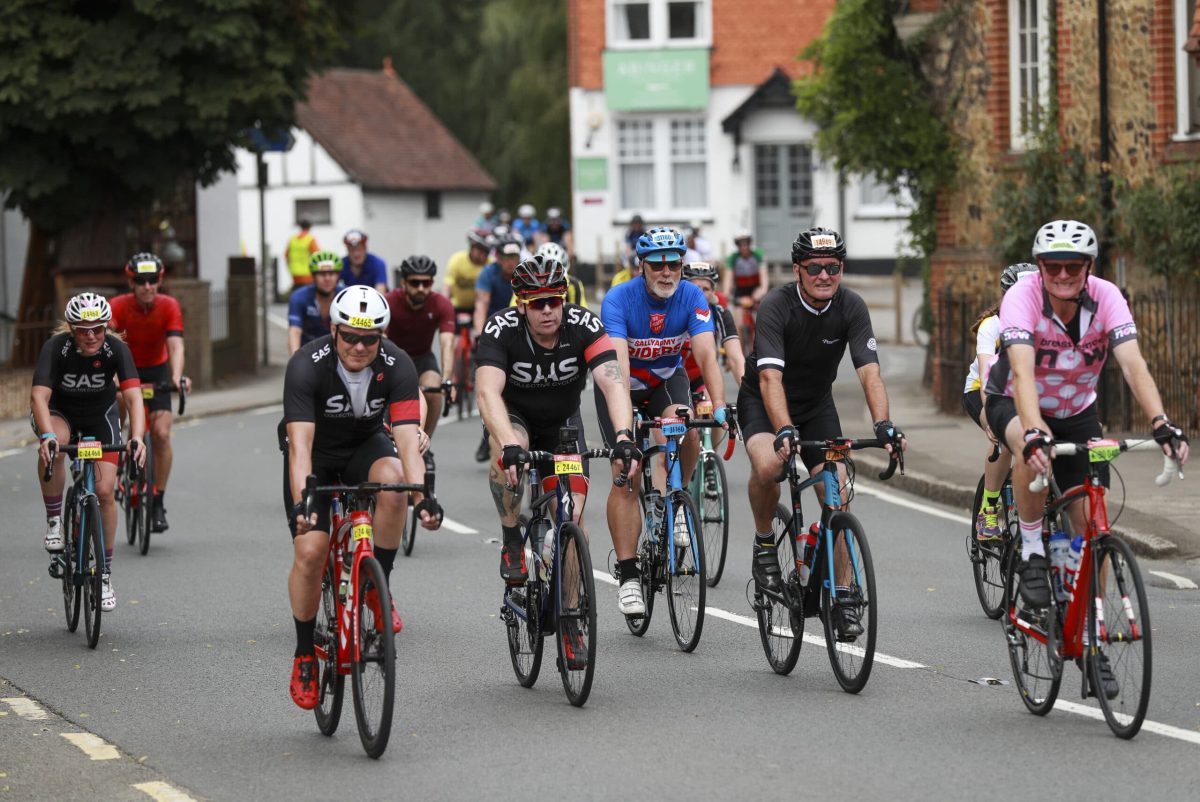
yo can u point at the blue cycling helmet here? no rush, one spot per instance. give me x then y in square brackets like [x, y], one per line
[660, 245]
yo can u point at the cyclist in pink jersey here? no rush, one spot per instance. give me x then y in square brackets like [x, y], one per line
[1056, 331]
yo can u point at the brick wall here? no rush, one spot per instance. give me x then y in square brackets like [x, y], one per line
[585, 43]
[751, 39]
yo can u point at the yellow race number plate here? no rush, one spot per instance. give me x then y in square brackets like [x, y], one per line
[147, 392]
[361, 531]
[567, 466]
[90, 452]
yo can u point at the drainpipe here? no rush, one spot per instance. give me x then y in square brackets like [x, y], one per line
[1106, 189]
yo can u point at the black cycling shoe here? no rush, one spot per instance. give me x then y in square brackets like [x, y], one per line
[1035, 584]
[56, 566]
[158, 516]
[1108, 680]
[846, 622]
[512, 565]
[574, 648]
[765, 567]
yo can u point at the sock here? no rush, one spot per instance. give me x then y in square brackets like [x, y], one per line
[158, 496]
[767, 540]
[304, 636]
[1031, 539]
[387, 558]
[628, 569]
[108, 560]
[990, 499]
[511, 535]
[53, 506]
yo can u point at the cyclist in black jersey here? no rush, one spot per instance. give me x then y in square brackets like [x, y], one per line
[74, 397]
[531, 368]
[704, 275]
[803, 331]
[340, 394]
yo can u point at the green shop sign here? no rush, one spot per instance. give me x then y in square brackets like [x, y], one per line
[591, 174]
[656, 80]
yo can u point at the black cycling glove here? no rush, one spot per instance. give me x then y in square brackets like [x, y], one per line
[430, 506]
[784, 436]
[514, 456]
[627, 451]
[1036, 439]
[888, 432]
[1167, 433]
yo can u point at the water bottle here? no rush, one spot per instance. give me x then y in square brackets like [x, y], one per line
[654, 513]
[1072, 566]
[1060, 556]
[344, 582]
[806, 546]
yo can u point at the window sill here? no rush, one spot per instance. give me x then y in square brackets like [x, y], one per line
[1182, 149]
[881, 213]
[652, 44]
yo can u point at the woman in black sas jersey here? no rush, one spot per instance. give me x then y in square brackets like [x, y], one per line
[532, 362]
[74, 397]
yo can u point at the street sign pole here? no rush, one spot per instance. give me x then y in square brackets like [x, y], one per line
[262, 234]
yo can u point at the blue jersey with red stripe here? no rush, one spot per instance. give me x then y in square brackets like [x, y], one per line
[655, 330]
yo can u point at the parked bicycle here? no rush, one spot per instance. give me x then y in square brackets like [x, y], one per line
[81, 563]
[354, 619]
[135, 494]
[408, 538]
[1101, 585]
[829, 572]
[711, 493]
[560, 595]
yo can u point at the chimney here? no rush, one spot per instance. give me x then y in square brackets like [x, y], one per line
[388, 69]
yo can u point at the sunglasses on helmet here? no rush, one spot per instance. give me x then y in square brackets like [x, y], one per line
[356, 339]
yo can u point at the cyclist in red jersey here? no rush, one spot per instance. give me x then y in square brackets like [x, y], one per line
[153, 327]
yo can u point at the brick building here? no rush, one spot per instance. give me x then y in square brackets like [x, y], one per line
[683, 111]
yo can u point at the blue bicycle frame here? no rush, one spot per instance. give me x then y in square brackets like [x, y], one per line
[829, 505]
[672, 430]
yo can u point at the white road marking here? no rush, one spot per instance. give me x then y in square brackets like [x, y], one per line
[277, 321]
[12, 452]
[899, 501]
[1181, 582]
[93, 746]
[455, 526]
[26, 708]
[163, 792]
[1147, 726]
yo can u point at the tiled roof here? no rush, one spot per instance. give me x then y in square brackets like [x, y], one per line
[381, 133]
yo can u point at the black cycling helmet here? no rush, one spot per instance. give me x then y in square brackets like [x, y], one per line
[418, 265]
[1010, 274]
[538, 276]
[818, 241]
[144, 264]
[704, 270]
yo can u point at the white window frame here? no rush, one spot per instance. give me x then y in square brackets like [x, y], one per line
[659, 26]
[1017, 137]
[664, 165]
[896, 205]
[1185, 93]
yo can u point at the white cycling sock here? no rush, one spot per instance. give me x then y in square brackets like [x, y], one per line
[1031, 539]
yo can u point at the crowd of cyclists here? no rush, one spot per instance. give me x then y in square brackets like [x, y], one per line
[371, 368]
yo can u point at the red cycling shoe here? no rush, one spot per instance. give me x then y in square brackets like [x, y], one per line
[305, 671]
[372, 600]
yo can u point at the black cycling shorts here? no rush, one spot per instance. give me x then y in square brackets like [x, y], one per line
[154, 376]
[105, 428]
[820, 423]
[544, 437]
[1068, 471]
[653, 402]
[425, 363]
[973, 404]
[352, 472]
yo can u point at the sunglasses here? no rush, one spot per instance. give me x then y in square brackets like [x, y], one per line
[419, 282]
[1055, 268]
[145, 279]
[360, 339]
[95, 331]
[815, 270]
[658, 267]
[549, 302]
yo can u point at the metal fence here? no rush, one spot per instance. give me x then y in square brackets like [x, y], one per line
[21, 342]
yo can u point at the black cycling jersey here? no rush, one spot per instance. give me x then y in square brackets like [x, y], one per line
[544, 384]
[315, 392]
[82, 386]
[807, 344]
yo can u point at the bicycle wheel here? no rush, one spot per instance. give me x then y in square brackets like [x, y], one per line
[850, 656]
[408, 538]
[779, 627]
[686, 585]
[463, 371]
[649, 560]
[373, 671]
[332, 683]
[92, 532]
[525, 634]
[576, 619]
[713, 500]
[985, 565]
[128, 493]
[1032, 646]
[146, 498]
[1122, 635]
[72, 593]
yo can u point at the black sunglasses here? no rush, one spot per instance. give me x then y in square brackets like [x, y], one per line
[365, 339]
[674, 267]
[147, 279]
[1072, 268]
[419, 282]
[549, 302]
[815, 270]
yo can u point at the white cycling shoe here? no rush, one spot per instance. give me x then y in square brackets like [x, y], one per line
[629, 598]
[54, 538]
[108, 597]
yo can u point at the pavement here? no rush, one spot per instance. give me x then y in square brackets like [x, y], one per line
[946, 452]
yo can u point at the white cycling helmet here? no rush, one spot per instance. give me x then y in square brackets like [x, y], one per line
[526, 210]
[486, 209]
[1065, 238]
[88, 308]
[742, 234]
[361, 307]
[552, 250]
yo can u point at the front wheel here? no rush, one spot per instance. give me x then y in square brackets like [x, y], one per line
[127, 490]
[373, 669]
[332, 682]
[712, 499]
[408, 538]
[648, 566]
[576, 617]
[72, 593]
[686, 584]
[848, 599]
[525, 634]
[1033, 640]
[780, 627]
[92, 532]
[1120, 637]
[146, 499]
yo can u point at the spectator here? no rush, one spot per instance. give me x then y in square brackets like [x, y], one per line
[300, 249]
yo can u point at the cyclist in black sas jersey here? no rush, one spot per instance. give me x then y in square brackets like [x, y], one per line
[74, 397]
[532, 362]
[802, 333]
[339, 394]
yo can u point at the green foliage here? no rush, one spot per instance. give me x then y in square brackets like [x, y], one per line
[1158, 224]
[109, 103]
[1049, 181]
[874, 110]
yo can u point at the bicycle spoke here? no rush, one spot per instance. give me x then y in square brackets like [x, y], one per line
[1119, 625]
[781, 629]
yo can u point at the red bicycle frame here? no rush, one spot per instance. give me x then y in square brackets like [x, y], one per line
[353, 531]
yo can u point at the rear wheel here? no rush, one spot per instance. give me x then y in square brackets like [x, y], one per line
[1122, 636]
[72, 593]
[374, 669]
[853, 593]
[525, 634]
[1033, 642]
[92, 531]
[712, 500]
[146, 498]
[986, 560]
[463, 371]
[576, 619]
[686, 586]
[648, 566]
[332, 683]
[780, 628]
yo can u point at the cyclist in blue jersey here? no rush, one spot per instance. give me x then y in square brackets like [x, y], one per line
[649, 319]
[308, 308]
[493, 288]
[360, 267]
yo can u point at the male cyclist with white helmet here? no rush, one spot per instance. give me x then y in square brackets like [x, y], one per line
[308, 308]
[421, 317]
[526, 226]
[1057, 328]
[339, 393]
[74, 397]
[649, 319]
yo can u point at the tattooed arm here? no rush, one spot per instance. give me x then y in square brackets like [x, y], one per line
[613, 381]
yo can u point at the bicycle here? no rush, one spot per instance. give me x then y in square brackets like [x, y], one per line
[408, 538]
[136, 494]
[80, 565]
[354, 618]
[987, 557]
[711, 493]
[663, 562]
[464, 374]
[830, 568]
[1040, 639]
[559, 595]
